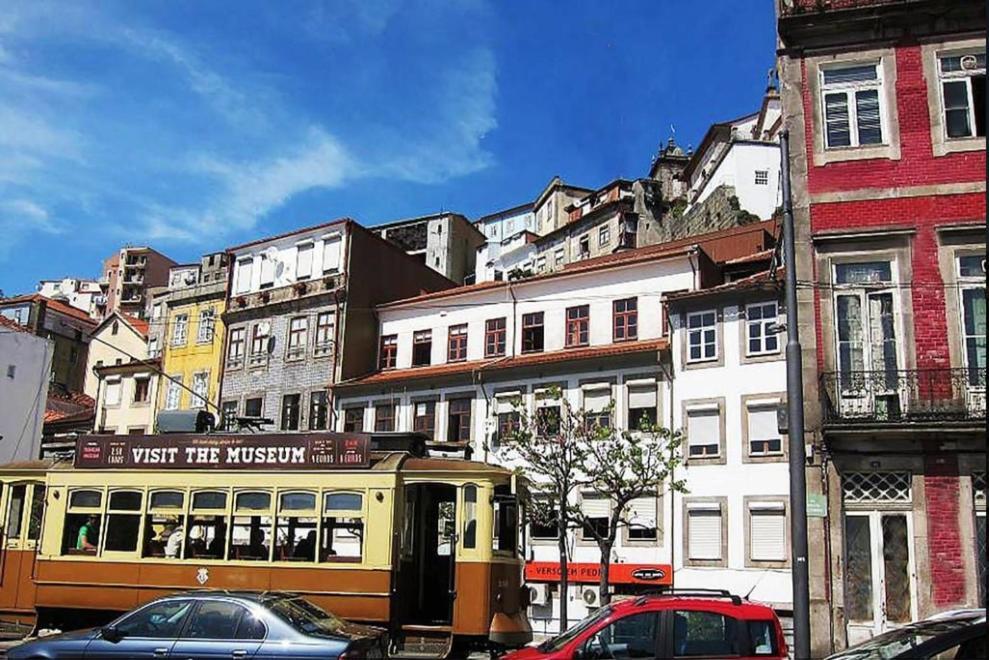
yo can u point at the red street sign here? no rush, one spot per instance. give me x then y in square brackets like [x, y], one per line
[589, 573]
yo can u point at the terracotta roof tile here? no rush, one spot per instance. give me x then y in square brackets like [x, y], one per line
[497, 364]
[55, 305]
[138, 324]
[13, 325]
[764, 280]
[63, 406]
[762, 255]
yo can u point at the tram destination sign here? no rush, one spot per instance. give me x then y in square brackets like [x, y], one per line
[224, 452]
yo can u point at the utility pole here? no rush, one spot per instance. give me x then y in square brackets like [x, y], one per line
[795, 425]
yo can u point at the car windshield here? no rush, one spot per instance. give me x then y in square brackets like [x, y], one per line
[306, 617]
[901, 640]
[558, 642]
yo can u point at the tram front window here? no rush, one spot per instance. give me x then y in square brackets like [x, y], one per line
[506, 521]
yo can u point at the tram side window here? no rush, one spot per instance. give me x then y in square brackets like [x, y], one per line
[37, 512]
[250, 538]
[123, 521]
[206, 534]
[505, 537]
[164, 524]
[343, 527]
[470, 516]
[295, 527]
[83, 522]
[15, 511]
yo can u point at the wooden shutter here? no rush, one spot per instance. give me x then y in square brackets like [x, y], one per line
[704, 540]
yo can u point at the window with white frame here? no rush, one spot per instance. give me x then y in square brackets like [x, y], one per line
[597, 405]
[267, 272]
[642, 515]
[642, 404]
[763, 428]
[331, 254]
[298, 337]
[235, 351]
[604, 236]
[173, 395]
[597, 514]
[303, 261]
[852, 97]
[767, 531]
[971, 271]
[324, 334]
[702, 336]
[207, 322]
[760, 329]
[558, 257]
[153, 349]
[245, 268]
[180, 329]
[704, 431]
[762, 177]
[866, 321]
[112, 397]
[200, 389]
[704, 531]
[963, 93]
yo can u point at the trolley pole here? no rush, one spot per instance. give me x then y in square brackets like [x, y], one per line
[795, 423]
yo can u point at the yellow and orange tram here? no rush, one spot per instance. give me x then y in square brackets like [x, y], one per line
[363, 525]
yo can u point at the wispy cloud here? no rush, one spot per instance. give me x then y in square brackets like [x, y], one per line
[20, 218]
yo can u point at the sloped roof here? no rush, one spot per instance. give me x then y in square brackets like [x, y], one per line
[52, 304]
[765, 280]
[67, 406]
[11, 324]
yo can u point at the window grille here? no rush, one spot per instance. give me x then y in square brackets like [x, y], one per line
[876, 487]
[979, 488]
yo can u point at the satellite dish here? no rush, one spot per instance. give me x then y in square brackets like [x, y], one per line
[190, 277]
[271, 345]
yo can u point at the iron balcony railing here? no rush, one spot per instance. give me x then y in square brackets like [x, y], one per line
[908, 395]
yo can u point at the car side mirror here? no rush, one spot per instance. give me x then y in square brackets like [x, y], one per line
[111, 633]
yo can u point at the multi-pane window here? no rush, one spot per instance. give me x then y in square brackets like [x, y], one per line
[290, 412]
[384, 417]
[424, 418]
[532, 332]
[762, 177]
[763, 428]
[578, 325]
[324, 334]
[626, 319]
[388, 355]
[422, 348]
[963, 94]
[200, 389]
[235, 352]
[853, 106]
[173, 395]
[228, 415]
[704, 532]
[207, 323]
[767, 531]
[318, 410]
[760, 335]
[972, 291]
[180, 329]
[142, 389]
[259, 342]
[494, 337]
[298, 333]
[303, 262]
[704, 432]
[458, 420]
[866, 321]
[604, 236]
[353, 420]
[457, 343]
[702, 336]
[253, 406]
[153, 349]
[509, 419]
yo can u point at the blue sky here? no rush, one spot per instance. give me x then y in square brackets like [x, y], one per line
[193, 126]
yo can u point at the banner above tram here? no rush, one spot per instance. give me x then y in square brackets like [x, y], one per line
[285, 451]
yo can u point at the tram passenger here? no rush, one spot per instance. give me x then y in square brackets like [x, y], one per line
[88, 535]
[306, 548]
[174, 536]
[219, 541]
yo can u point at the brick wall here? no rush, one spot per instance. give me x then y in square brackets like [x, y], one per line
[941, 487]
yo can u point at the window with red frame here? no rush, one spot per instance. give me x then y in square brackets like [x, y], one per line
[384, 417]
[424, 419]
[388, 356]
[422, 348]
[458, 420]
[494, 337]
[532, 332]
[353, 420]
[457, 343]
[626, 319]
[578, 325]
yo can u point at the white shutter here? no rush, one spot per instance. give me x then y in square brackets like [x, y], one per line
[504, 403]
[597, 399]
[331, 254]
[303, 262]
[767, 533]
[641, 396]
[704, 539]
[267, 270]
[112, 393]
[244, 271]
[703, 428]
[762, 423]
[595, 506]
[641, 513]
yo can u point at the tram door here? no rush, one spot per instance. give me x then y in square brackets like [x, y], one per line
[427, 551]
[21, 510]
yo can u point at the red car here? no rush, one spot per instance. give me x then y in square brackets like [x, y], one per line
[676, 624]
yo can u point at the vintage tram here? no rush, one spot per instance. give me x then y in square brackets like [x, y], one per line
[364, 525]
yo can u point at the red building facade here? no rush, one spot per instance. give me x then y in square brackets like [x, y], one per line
[884, 101]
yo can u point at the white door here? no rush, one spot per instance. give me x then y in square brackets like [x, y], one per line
[879, 573]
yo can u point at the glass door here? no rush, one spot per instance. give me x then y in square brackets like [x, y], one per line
[879, 573]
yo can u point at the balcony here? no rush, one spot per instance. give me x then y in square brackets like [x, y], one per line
[904, 397]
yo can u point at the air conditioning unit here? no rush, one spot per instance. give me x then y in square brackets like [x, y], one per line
[591, 596]
[539, 594]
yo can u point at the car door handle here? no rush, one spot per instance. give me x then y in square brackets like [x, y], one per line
[160, 653]
[239, 653]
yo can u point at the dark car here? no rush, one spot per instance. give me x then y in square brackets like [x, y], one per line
[959, 635]
[696, 624]
[216, 624]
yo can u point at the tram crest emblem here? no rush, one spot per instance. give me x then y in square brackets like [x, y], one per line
[202, 575]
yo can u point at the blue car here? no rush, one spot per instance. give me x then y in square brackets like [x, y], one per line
[203, 625]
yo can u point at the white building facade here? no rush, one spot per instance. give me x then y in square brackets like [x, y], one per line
[81, 294]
